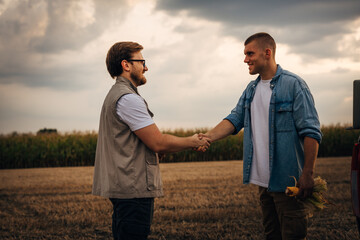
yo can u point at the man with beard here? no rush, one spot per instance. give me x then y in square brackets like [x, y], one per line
[127, 163]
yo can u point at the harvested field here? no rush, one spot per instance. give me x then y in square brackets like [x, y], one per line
[203, 200]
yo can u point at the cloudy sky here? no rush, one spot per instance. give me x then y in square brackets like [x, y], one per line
[52, 57]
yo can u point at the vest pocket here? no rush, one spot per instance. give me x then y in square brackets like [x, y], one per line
[283, 117]
[153, 177]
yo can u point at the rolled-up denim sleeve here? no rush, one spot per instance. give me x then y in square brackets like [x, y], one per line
[236, 117]
[305, 115]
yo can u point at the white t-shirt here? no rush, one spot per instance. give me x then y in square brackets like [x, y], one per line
[260, 172]
[132, 109]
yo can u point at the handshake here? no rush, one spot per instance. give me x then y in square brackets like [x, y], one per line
[202, 142]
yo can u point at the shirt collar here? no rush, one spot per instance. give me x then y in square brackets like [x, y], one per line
[273, 81]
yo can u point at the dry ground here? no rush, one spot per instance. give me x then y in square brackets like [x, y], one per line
[204, 200]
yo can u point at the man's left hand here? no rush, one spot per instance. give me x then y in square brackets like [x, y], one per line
[305, 184]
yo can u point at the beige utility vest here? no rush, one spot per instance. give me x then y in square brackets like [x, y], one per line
[124, 166]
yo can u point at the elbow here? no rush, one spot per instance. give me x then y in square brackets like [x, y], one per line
[161, 151]
[157, 144]
[157, 147]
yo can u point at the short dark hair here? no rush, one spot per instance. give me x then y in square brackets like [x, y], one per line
[263, 39]
[118, 52]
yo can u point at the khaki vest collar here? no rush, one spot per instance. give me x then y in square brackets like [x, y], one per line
[128, 83]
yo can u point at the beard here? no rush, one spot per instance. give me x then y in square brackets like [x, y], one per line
[138, 78]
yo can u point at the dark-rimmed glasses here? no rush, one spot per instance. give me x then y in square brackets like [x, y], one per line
[137, 60]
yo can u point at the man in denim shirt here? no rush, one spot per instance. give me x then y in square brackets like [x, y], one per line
[281, 138]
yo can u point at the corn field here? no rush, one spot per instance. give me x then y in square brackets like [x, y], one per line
[78, 148]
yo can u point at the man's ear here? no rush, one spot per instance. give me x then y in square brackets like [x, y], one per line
[125, 65]
[268, 52]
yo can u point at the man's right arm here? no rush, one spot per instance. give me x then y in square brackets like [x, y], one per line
[132, 110]
[166, 143]
[233, 123]
[220, 131]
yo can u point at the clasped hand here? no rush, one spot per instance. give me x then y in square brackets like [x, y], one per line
[205, 142]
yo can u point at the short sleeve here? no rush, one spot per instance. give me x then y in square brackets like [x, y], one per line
[132, 110]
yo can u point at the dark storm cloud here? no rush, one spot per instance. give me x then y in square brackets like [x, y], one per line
[25, 18]
[62, 34]
[34, 33]
[313, 26]
[272, 12]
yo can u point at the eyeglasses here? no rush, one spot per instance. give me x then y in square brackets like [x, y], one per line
[137, 60]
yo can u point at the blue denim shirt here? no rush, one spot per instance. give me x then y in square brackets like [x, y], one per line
[292, 116]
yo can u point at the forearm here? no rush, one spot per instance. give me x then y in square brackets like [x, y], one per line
[220, 131]
[169, 143]
[311, 147]
[306, 181]
[165, 143]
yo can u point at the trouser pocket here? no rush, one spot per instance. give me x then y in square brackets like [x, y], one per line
[294, 224]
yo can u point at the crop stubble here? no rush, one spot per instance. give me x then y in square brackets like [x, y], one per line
[203, 200]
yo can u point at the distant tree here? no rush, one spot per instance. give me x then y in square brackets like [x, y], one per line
[47, 131]
[14, 134]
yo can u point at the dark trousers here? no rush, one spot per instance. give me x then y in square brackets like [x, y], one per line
[283, 217]
[132, 218]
